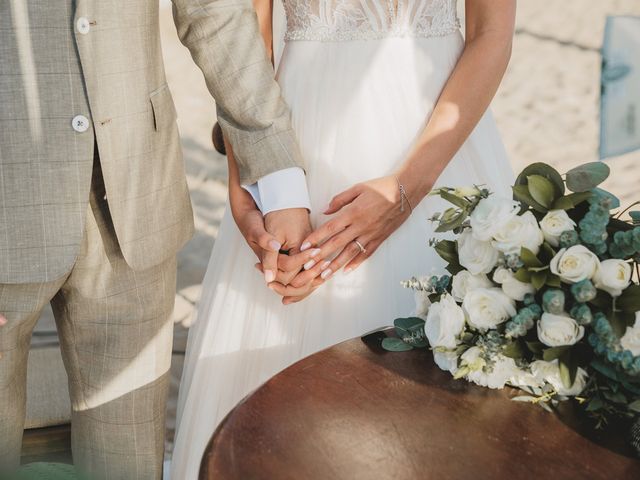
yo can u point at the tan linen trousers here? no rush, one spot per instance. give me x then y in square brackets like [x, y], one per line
[115, 331]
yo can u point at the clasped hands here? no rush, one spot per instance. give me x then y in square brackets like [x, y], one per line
[363, 217]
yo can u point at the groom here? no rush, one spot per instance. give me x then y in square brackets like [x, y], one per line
[94, 203]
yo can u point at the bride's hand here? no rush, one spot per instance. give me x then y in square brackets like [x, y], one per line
[366, 214]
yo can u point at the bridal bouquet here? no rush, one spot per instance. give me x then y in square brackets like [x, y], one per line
[540, 292]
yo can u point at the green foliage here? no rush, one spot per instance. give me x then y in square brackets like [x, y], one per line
[587, 177]
[542, 170]
[552, 353]
[571, 201]
[629, 301]
[411, 330]
[541, 190]
[393, 344]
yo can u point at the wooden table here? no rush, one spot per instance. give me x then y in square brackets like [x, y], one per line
[355, 412]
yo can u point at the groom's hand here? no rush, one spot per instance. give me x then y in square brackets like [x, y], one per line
[289, 227]
[285, 227]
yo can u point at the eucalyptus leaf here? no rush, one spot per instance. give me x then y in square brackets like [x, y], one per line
[538, 279]
[568, 366]
[452, 223]
[541, 190]
[603, 300]
[571, 201]
[521, 194]
[523, 275]
[546, 253]
[392, 344]
[546, 171]
[553, 280]
[586, 177]
[615, 397]
[552, 353]
[595, 404]
[604, 369]
[529, 258]
[535, 347]
[454, 199]
[620, 321]
[411, 331]
[634, 406]
[629, 301]
[513, 350]
[448, 251]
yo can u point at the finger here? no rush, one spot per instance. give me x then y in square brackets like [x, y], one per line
[351, 251]
[371, 247]
[314, 286]
[338, 242]
[288, 290]
[342, 199]
[329, 229]
[295, 263]
[308, 276]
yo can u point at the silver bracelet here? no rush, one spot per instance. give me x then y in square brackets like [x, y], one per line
[403, 197]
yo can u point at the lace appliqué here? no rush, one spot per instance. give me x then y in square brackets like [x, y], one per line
[346, 20]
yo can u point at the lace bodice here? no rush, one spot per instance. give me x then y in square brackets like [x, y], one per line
[343, 20]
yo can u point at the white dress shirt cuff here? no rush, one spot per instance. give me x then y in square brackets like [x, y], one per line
[281, 190]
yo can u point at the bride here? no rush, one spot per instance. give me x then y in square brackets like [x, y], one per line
[387, 100]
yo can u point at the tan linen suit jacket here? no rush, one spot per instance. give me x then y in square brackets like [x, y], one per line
[101, 59]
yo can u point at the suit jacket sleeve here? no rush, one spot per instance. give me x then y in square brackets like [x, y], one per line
[224, 40]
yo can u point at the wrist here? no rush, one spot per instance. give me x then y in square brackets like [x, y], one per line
[415, 188]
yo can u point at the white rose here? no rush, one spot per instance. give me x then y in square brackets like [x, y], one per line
[445, 323]
[475, 255]
[553, 224]
[549, 372]
[511, 286]
[491, 214]
[447, 361]
[631, 338]
[487, 308]
[559, 330]
[504, 369]
[464, 282]
[574, 264]
[612, 276]
[520, 231]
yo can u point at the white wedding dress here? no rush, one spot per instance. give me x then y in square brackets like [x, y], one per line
[361, 78]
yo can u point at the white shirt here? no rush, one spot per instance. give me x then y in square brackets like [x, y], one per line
[281, 190]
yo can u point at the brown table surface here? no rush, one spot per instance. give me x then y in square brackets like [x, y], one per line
[356, 412]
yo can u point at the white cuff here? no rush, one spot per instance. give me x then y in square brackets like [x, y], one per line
[281, 190]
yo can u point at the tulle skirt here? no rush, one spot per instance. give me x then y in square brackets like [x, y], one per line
[357, 109]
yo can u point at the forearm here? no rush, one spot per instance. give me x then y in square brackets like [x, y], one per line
[462, 103]
[224, 39]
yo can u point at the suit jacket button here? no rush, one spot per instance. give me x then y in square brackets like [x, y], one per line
[80, 123]
[83, 25]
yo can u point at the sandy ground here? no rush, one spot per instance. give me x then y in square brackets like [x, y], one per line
[546, 109]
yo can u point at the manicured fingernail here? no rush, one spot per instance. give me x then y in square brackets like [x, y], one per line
[275, 246]
[347, 271]
[309, 264]
[314, 253]
[325, 265]
[269, 276]
[305, 246]
[326, 274]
